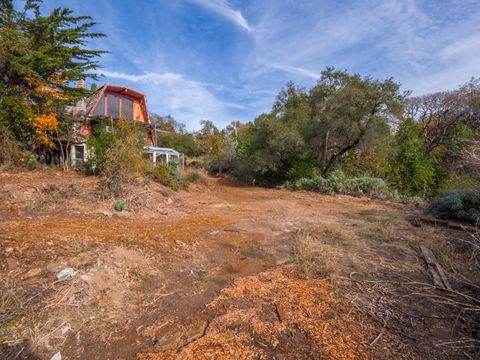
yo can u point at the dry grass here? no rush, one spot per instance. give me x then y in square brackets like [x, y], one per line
[315, 249]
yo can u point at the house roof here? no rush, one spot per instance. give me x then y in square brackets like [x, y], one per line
[92, 101]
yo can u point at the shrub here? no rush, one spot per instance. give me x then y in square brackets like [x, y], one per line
[124, 160]
[169, 175]
[459, 205]
[338, 183]
[194, 178]
[161, 173]
[31, 162]
[100, 141]
[172, 168]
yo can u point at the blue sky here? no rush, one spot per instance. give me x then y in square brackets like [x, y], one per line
[225, 60]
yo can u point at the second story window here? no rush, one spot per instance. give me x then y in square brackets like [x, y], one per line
[127, 109]
[100, 110]
[113, 106]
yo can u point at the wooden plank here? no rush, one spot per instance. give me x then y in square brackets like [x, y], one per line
[439, 278]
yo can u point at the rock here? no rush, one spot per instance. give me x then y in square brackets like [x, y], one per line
[65, 329]
[159, 237]
[9, 249]
[215, 232]
[32, 273]
[107, 213]
[12, 263]
[56, 356]
[65, 274]
[169, 201]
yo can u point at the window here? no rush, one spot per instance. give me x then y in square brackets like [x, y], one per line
[100, 110]
[79, 152]
[113, 106]
[127, 109]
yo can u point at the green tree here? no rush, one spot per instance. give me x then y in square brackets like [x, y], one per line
[308, 132]
[172, 134]
[349, 111]
[412, 170]
[271, 146]
[210, 141]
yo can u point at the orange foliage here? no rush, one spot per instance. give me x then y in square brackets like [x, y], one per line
[43, 96]
[44, 124]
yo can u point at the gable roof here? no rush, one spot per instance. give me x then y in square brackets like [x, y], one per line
[92, 101]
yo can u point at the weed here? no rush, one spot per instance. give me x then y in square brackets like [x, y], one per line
[307, 255]
[74, 186]
[120, 205]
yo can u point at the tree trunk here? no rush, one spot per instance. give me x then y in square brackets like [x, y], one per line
[340, 153]
[324, 151]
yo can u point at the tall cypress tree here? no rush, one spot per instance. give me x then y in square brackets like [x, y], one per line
[40, 56]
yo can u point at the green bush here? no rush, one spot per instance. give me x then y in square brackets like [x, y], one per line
[172, 168]
[160, 173]
[100, 141]
[459, 205]
[194, 178]
[31, 162]
[338, 183]
[167, 175]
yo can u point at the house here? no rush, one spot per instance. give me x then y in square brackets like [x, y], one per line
[113, 102]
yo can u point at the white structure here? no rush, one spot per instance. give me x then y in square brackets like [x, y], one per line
[165, 155]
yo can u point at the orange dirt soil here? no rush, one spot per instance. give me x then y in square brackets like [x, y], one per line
[212, 273]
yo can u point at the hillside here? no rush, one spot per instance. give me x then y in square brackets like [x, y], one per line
[220, 271]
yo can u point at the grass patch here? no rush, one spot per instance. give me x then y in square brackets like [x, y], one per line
[120, 205]
[313, 249]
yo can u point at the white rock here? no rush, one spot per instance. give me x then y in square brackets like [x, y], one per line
[57, 356]
[65, 274]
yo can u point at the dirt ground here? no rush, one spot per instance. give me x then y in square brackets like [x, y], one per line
[221, 271]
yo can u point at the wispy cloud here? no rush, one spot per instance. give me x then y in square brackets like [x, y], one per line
[195, 69]
[416, 42]
[223, 8]
[296, 70]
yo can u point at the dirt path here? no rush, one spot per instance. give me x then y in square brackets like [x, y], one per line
[149, 281]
